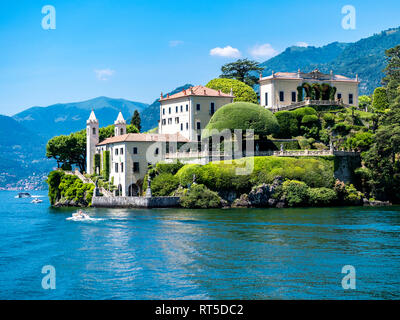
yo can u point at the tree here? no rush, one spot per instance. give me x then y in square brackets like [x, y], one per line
[392, 71]
[288, 125]
[244, 116]
[364, 102]
[241, 91]
[382, 159]
[69, 149]
[380, 100]
[135, 121]
[241, 70]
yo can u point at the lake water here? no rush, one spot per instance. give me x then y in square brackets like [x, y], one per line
[198, 254]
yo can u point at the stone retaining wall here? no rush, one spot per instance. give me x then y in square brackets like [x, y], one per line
[135, 202]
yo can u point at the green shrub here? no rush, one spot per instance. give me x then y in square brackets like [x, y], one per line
[96, 162]
[171, 168]
[361, 140]
[288, 125]
[106, 165]
[241, 91]
[53, 180]
[199, 196]
[321, 196]
[295, 193]
[342, 128]
[310, 120]
[329, 119]
[242, 115]
[164, 184]
[222, 176]
[380, 100]
[305, 111]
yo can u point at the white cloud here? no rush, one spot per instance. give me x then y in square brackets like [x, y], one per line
[263, 51]
[175, 43]
[104, 74]
[302, 44]
[227, 52]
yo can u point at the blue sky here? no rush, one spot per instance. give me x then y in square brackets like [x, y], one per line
[136, 49]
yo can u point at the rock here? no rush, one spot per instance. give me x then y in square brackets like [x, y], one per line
[242, 202]
[272, 202]
[229, 196]
[224, 204]
[260, 195]
[281, 204]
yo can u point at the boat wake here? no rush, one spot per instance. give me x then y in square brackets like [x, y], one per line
[86, 219]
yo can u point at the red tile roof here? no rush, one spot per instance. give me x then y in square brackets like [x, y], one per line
[197, 91]
[144, 137]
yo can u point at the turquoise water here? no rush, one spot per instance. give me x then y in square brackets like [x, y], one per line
[198, 254]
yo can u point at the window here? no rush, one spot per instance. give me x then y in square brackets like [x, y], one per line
[181, 126]
[122, 131]
[136, 167]
[266, 98]
[176, 119]
[164, 122]
[163, 111]
[121, 151]
[122, 167]
[187, 107]
[116, 151]
[116, 167]
[198, 107]
[94, 131]
[169, 120]
[198, 125]
[176, 109]
[187, 125]
[350, 98]
[169, 110]
[212, 108]
[281, 96]
[134, 150]
[339, 96]
[198, 138]
[181, 108]
[156, 152]
[293, 96]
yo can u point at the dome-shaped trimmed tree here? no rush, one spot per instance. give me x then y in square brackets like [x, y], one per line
[244, 116]
[241, 91]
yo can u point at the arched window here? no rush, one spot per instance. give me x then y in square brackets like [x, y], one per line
[94, 130]
[122, 131]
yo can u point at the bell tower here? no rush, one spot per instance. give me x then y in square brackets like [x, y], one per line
[92, 139]
[120, 125]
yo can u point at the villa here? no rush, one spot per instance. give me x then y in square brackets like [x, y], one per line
[189, 111]
[127, 155]
[283, 89]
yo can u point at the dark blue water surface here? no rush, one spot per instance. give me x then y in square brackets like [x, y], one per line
[198, 254]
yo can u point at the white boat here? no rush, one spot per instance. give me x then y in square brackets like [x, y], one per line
[80, 215]
[36, 200]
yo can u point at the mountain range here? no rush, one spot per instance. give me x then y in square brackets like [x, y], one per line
[23, 137]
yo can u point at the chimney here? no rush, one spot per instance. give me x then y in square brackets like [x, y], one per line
[273, 73]
[184, 91]
[167, 95]
[205, 92]
[162, 96]
[260, 75]
[219, 92]
[231, 93]
[357, 77]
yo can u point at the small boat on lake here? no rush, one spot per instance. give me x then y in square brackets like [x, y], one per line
[23, 195]
[36, 200]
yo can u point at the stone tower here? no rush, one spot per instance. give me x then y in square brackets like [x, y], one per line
[92, 139]
[120, 125]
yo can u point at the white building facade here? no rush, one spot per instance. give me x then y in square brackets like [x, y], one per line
[189, 111]
[281, 88]
[130, 154]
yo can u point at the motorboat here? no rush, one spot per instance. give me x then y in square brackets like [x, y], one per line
[23, 195]
[80, 215]
[36, 200]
